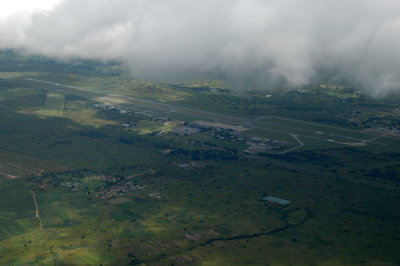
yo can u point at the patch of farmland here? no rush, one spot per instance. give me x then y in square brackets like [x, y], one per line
[54, 105]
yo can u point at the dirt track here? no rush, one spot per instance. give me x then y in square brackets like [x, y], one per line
[37, 209]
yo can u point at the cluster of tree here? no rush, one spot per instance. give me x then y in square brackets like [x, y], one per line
[216, 155]
[5, 85]
[388, 174]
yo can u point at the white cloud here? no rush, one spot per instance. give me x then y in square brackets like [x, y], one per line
[25, 7]
[263, 42]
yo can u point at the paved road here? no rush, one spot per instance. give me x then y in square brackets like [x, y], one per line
[308, 123]
[301, 144]
[251, 123]
[328, 135]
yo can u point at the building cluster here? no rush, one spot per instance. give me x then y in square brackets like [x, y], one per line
[357, 116]
[110, 108]
[217, 130]
[117, 190]
[185, 131]
[73, 185]
[258, 144]
[389, 130]
[331, 86]
[231, 133]
[155, 195]
[141, 114]
[189, 164]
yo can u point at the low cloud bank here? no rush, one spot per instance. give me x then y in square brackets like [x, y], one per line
[260, 43]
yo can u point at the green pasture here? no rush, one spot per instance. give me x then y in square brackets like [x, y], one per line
[54, 105]
[17, 209]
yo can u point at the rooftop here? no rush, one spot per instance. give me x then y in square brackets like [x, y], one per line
[276, 200]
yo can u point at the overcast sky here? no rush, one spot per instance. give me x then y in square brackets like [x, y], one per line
[248, 42]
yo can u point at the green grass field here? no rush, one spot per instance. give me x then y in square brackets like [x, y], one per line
[54, 105]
